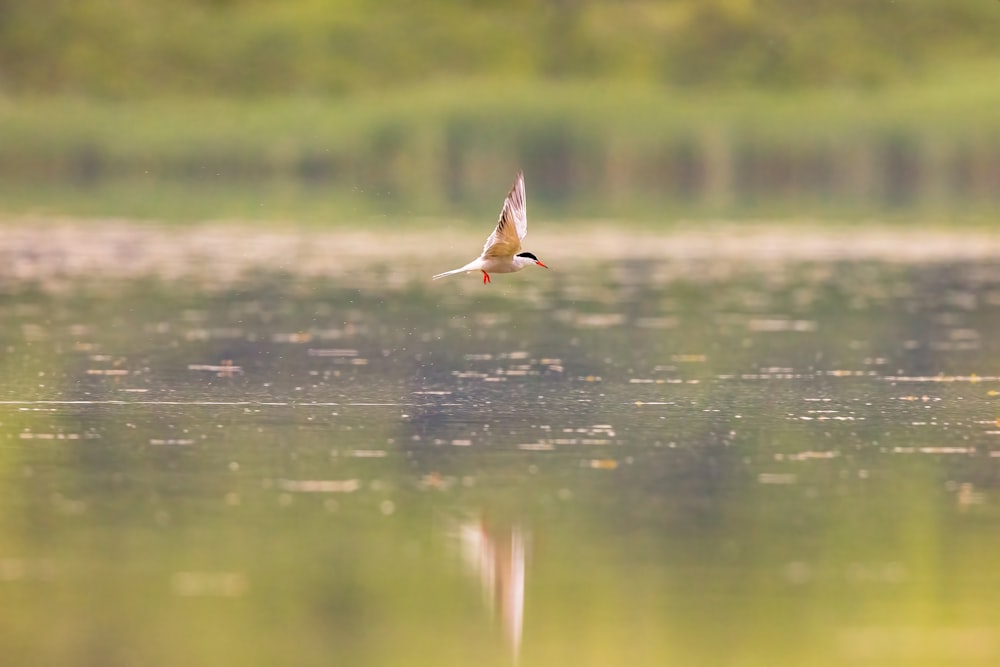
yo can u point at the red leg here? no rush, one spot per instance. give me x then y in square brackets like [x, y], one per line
[486, 277]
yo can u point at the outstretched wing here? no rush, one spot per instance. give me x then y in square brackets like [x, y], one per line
[505, 241]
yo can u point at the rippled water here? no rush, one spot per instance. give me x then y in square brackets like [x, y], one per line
[689, 460]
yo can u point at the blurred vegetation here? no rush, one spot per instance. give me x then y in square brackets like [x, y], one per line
[123, 48]
[624, 150]
[721, 107]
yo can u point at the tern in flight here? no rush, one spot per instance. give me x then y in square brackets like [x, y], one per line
[502, 252]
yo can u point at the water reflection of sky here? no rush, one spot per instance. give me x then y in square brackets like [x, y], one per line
[623, 463]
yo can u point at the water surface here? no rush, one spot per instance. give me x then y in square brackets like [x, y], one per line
[770, 457]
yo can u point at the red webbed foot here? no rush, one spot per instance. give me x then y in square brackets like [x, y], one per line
[486, 278]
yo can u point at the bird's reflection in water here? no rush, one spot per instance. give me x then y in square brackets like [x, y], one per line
[497, 556]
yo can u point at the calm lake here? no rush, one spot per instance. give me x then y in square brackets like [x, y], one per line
[228, 446]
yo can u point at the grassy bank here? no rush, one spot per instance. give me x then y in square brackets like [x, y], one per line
[930, 147]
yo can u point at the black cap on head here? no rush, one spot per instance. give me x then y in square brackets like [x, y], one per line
[528, 255]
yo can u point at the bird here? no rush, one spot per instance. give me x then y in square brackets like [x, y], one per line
[502, 252]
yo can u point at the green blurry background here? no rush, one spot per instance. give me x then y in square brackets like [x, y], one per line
[336, 111]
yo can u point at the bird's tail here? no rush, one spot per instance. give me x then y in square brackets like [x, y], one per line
[449, 273]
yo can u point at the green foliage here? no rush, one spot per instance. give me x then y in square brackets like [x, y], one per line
[246, 47]
[591, 150]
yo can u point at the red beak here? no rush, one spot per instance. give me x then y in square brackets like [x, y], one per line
[541, 265]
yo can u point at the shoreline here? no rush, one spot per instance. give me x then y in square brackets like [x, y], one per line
[45, 249]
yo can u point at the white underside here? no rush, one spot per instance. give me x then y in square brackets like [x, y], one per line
[489, 265]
